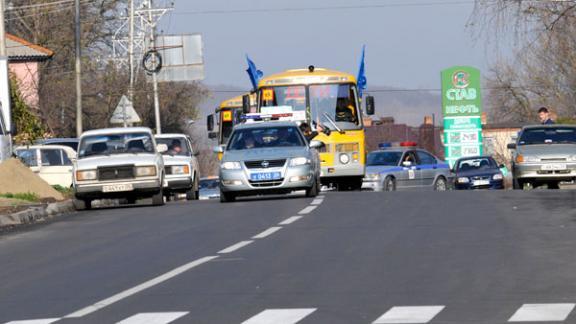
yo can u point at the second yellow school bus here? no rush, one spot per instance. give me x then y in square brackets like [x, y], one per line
[325, 99]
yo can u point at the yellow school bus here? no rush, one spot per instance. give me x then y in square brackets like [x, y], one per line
[326, 100]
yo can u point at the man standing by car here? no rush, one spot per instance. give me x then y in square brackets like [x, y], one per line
[544, 116]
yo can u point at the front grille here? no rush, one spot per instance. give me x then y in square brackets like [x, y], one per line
[168, 170]
[263, 164]
[480, 178]
[261, 184]
[116, 172]
[554, 160]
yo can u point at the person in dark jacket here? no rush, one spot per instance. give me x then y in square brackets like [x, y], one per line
[307, 130]
[544, 115]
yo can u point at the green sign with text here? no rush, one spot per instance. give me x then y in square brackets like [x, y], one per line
[462, 111]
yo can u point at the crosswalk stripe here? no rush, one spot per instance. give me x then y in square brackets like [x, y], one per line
[36, 321]
[153, 318]
[542, 313]
[409, 314]
[280, 316]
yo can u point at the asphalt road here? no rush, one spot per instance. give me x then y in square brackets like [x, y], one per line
[402, 257]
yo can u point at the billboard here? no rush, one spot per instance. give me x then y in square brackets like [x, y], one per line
[462, 111]
[182, 57]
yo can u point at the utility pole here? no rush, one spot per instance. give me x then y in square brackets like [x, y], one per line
[130, 60]
[154, 77]
[4, 79]
[78, 70]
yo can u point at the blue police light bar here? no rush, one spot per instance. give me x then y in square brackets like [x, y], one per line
[384, 145]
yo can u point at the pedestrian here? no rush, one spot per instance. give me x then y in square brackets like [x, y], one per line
[544, 116]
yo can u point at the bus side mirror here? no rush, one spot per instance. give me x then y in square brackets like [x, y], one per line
[246, 104]
[370, 105]
[210, 122]
[212, 135]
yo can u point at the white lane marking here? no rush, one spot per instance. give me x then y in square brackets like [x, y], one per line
[409, 314]
[290, 220]
[316, 202]
[307, 210]
[267, 232]
[542, 313]
[36, 321]
[143, 286]
[280, 316]
[153, 318]
[235, 247]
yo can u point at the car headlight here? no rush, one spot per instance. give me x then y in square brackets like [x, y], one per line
[497, 176]
[372, 176]
[180, 169]
[463, 180]
[526, 158]
[86, 175]
[299, 161]
[231, 165]
[146, 171]
[344, 158]
[573, 158]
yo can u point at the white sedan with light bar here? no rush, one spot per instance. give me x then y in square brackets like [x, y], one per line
[118, 163]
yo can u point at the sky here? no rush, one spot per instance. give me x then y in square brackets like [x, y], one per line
[407, 42]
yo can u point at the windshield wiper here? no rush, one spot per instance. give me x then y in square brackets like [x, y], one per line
[333, 123]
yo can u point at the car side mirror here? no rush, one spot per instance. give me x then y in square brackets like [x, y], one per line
[316, 144]
[370, 108]
[162, 148]
[511, 146]
[246, 104]
[219, 149]
[210, 122]
[406, 163]
[501, 166]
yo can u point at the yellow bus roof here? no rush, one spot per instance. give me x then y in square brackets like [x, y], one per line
[235, 102]
[304, 76]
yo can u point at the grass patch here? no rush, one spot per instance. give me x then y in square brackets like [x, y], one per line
[22, 196]
[63, 190]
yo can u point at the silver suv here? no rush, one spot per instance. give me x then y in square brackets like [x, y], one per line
[118, 163]
[544, 154]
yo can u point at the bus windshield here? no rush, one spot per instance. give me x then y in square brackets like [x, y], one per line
[330, 104]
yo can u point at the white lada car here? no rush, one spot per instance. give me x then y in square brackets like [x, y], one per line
[118, 163]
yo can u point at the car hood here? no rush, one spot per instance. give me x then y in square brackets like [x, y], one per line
[265, 154]
[560, 150]
[478, 173]
[381, 168]
[176, 159]
[93, 162]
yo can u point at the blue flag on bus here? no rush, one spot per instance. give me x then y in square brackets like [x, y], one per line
[253, 73]
[361, 79]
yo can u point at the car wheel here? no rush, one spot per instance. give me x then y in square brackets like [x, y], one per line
[517, 184]
[131, 200]
[227, 197]
[389, 184]
[440, 184]
[527, 185]
[158, 198]
[554, 185]
[193, 193]
[313, 191]
[82, 204]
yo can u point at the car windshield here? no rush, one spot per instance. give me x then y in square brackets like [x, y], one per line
[476, 164]
[176, 145]
[208, 184]
[548, 135]
[330, 104]
[383, 158]
[266, 137]
[110, 144]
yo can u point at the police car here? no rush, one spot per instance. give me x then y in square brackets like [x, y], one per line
[405, 167]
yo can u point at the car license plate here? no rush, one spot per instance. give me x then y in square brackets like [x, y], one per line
[265, 176]
[117, 188]
[554, 167]
[481, 182]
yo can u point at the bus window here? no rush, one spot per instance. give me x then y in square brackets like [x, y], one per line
[293, 96]
[338, 102]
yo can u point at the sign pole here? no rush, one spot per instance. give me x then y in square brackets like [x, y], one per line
[4, 74]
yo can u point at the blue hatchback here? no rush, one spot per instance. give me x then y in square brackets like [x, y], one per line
[477, 172]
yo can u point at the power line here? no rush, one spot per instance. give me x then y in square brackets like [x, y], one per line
[40, 5]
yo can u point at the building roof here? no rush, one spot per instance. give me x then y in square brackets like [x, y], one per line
[19, 49]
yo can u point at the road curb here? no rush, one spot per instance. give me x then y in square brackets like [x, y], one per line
[36, 214]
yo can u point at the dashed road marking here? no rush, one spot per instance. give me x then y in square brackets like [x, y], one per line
[36, 321]
[542, 313]
[290, 220]
[409, 314]
[267, 232]
[153, 318]
[134, 290]
[307, 210]
[235, 247]
[316, 202]
[280, 316]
